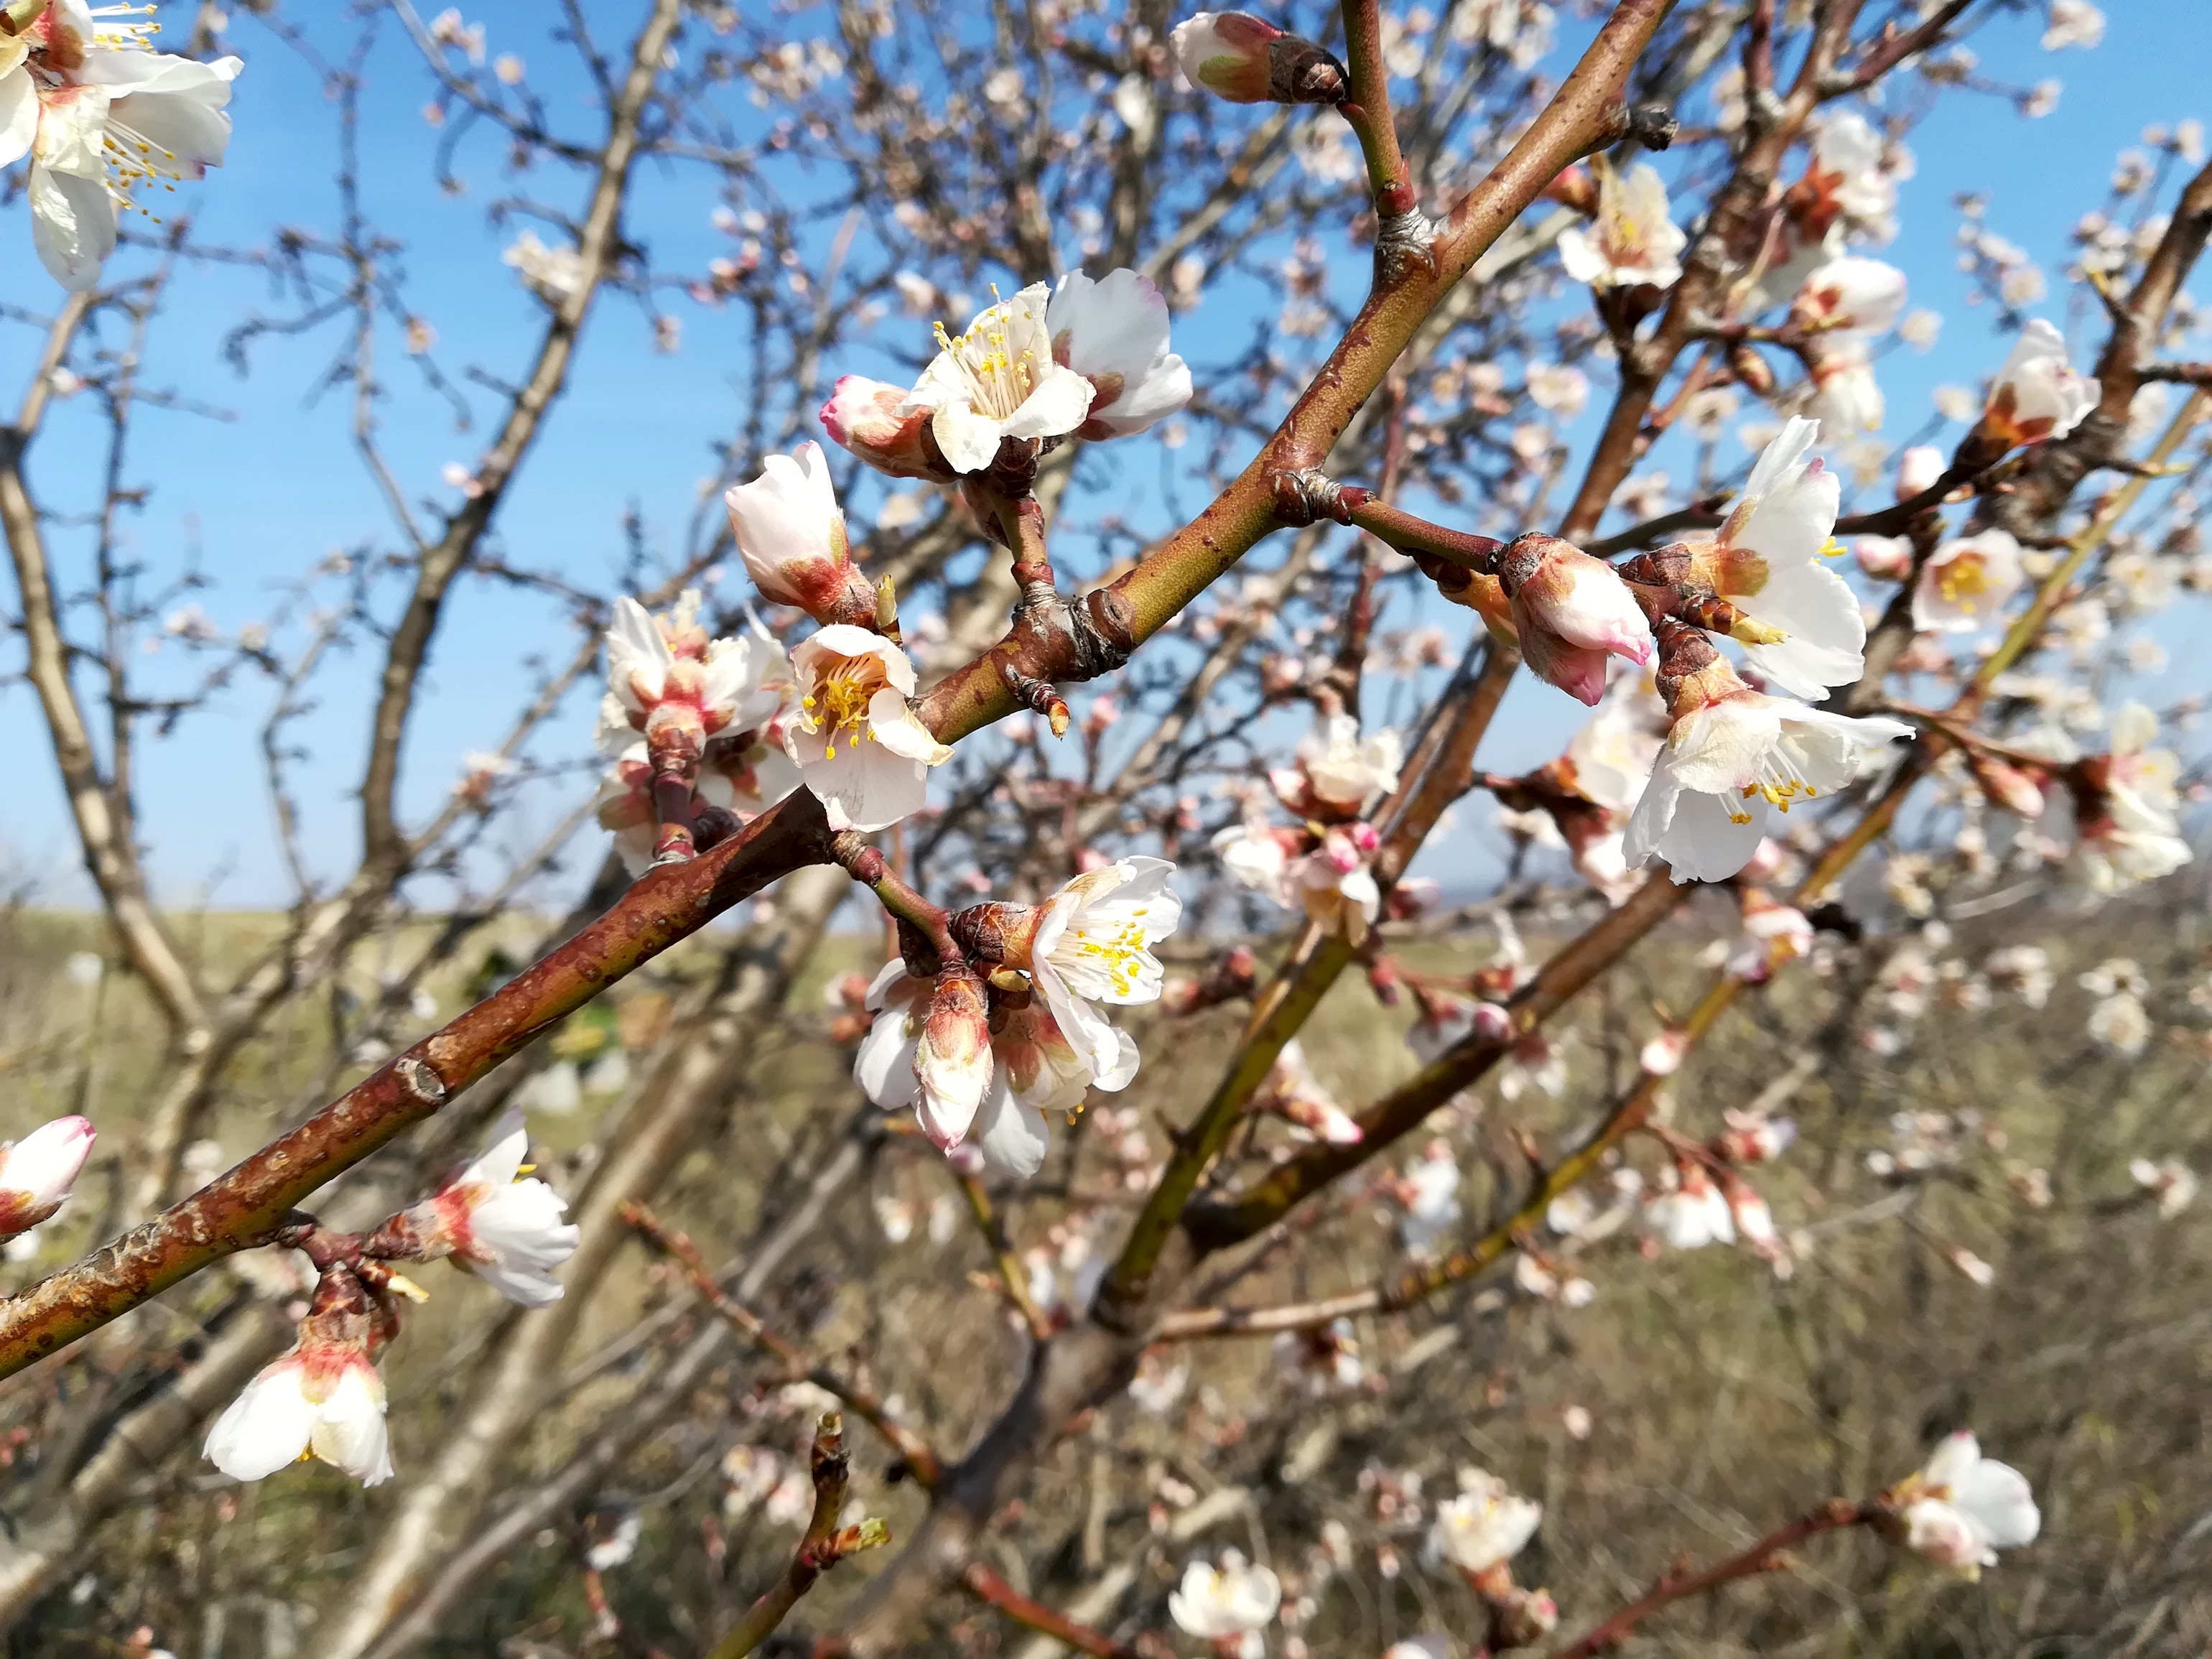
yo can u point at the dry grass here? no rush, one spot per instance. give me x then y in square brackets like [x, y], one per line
[1722, 1399]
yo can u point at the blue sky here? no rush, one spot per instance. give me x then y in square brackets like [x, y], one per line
[252, 501]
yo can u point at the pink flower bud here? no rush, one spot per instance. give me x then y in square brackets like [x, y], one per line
[952, 1061]
[1917, 469]
[791, 533]
[37, 1172]
[1236, 56]
[1571, 611]
[1885, 558]
[1226, 53]
[873, 420]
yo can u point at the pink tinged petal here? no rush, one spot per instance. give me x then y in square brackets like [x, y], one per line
[37, 1172]
[1578, 671]
[884, 1067]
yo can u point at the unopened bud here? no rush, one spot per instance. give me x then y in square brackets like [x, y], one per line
[1521, 1617]
[38, 1171]
[2010, 786]
[1246, 60]
[872, 419]
[1571, 610]
[1917, 469]
[1885, 558]
[1751, 371]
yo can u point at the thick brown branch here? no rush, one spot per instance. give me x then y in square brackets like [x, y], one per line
[238, 1211]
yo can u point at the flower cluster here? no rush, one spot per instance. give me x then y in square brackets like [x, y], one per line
[981, 1060]
[324, 1397]
[1324, 865]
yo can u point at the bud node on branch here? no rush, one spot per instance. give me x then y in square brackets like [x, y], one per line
[419, 1080]
[1404, 242]
[1305, 494]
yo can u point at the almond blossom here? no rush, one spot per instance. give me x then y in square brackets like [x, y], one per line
[1690, 1212]
[1220, 1604]
[1846, 396]
[1227, 53]
[1732, 756]
[1113, 331]
[878, 423]
[1847, 182]
[1258, 856]
[1335, 882]
[2073, 23]
[1343, 771]
[1092, 943]
[1632, 238]
[1850, 295]
[855, 739]
[998, 380]
[2169, 1182]
[502, 1226]
[952, 1060]
[1485, 1524]
[322, 1398]
[1571, 611]
[1962, 1508]
[2125, 803]
[37, 1172]
[669, 681]
[1767, 561]
[1965, 582]
[101, 114]
[2037, 394]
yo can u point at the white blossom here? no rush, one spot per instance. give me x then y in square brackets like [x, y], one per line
[1767, 561]
[999, 380]
[1632, 238]
[2037, 394]
[1214, 1602]
[1962, 1508]
[1725, 765]
[1486, 1523]
[100, 116]
[855, 738]
[503, 1227]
